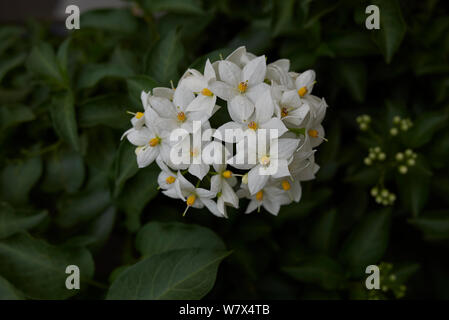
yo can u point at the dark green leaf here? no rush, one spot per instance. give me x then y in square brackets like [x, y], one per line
[179, 6]
[108, 110]
[13, 221]
[163, 60]
[38, 269]
[125, 165]
[392, 27]
[62, 110]
[159, 237]
[113, 20]
[8, 64]
[8, 292]
[367, 242]
[42, 62]
[17, 179]
[322, 271]
[138, 84]
[186, 274]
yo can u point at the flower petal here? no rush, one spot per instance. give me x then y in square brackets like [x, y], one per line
[230, 73]
[254, 92]
[256, 181]
[254, 72]
[182, 97]
[223, 90]
[240, 109]
[264, 107]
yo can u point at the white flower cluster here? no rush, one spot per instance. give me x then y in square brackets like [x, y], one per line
[258, 96]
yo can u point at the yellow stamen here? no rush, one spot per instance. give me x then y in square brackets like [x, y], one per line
[243, 86]
[265, 161]
[285, 185]
[154, 142]
[313, 133]
[181, 116]
[259, 195]
[170, 180]
[207, 92]
[191, 200]
[302, 91]
[284, 112]
[252, 125]
[227, 174]
[139, 115]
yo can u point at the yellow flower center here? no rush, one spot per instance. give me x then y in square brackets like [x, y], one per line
[139, 115]
[252, 125]
[313, 133]
[284, 112]
[191, 200]
[206, 92]
[285, 185]
[302, 92]
[227, 174]
[170, 179]
[154, 142]
[243, 86]
[181, 116]
[259, 195]
[265, 161]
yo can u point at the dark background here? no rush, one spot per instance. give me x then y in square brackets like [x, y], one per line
[69, 171]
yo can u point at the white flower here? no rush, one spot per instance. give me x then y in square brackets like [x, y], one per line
[166, 180]
[314, 131]
[200, 84]
[195, 197]
[272, 162]
[222, 183]
[292, 110]
[270, 197]
[237, 82]
[245, 118]
[175, 113]
[275, 123]
[278, 72]
[304, 83]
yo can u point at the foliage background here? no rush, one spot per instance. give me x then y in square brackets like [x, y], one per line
[71, 192]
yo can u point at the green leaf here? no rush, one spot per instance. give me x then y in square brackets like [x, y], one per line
[7, 291]
[177, 6]
[282, 15]
[63, 55]
[425, 126]
[38, 269]
[320, 270]
[392, 28]
[108, 110]
[186, 274]
[414, 188]
[17, 179]
[159, 237]
[112, 20]
[11, 116]
[42, 62]
[64, 170]
[136, 194]
[434, 225]
[367, 242]
[163, 60]
[136, 85]
[352, 75]
[10, 63]
[93, 73]
[352, 44]
[82, 207]
[322, 235]
[62, 111]
[125, 165]
[13, 221]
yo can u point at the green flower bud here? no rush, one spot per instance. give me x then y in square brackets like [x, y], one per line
[394, 131]
[403, 169]
[399, 156]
